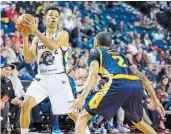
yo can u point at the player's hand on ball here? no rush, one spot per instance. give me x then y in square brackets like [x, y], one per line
[23, 35]
[32, 25]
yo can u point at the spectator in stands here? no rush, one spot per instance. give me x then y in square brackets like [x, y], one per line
[41, 9]
[167, 56]
[26, 71]
[162, 93]
[7, 41]
[121, 27]
[2, 44]
[169, 72]
[7, 89]
[81, 63]
[153, 56]
[74, 72]
[158, 35]
[149, 72]
[130, 57]
[168, 105]
[76, 35]
[12, 55]
[68, 10]
[31, 6]
[132, 48]
[19, 92]
[144, 23]
[11, 11]
[162, 72]
[138, 37]
[4, 5]
[63, 15]
[162, 88]
[85, 55]
[69, 24]
[139, 45]
[139, 60]
[86, 5]
[41, 26]
[16, 37]
[22, 11]
[147, 40]
[161, 55]
[113, 25]
[75, 11]
[82, 74]
[87, 25]
[4, 55]
[95, 7]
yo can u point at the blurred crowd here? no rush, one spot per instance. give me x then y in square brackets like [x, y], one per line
[145, 42]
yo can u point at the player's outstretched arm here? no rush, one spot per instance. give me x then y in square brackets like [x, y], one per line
[92, 78]
[29, 52]
[147, 85]
[89, 84]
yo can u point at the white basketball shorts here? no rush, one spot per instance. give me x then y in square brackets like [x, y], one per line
[57, 88]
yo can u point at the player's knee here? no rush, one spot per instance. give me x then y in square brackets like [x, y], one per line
[137, 119]
[28, 104]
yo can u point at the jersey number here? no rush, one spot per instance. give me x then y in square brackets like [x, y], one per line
[120, 62]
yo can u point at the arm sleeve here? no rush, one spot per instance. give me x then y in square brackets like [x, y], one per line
[94, 56]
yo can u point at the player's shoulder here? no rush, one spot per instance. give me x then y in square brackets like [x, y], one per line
[63, 32]
[95, 53]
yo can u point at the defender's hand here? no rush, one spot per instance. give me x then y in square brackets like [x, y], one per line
[78, 104]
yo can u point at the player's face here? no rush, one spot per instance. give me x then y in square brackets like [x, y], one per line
[52, 18]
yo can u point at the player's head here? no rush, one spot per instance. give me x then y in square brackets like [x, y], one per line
[102, 39]
[52, 16]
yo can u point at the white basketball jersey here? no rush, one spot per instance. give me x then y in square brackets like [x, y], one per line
[51, 62]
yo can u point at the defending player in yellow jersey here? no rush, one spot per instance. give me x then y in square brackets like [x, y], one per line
[121, 86]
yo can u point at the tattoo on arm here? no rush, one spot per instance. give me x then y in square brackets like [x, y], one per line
[146, 83]
[137, 72]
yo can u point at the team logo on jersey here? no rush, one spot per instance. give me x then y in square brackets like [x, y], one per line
[47, 58]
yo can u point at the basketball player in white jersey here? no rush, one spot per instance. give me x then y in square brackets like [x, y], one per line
[50, 48]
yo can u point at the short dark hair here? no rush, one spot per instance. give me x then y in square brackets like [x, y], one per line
[104, 39]
[54, 7]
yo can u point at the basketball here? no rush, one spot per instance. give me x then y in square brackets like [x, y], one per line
[20, 21]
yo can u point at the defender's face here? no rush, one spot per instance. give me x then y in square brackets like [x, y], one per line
[52, 18]
[96, 43]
